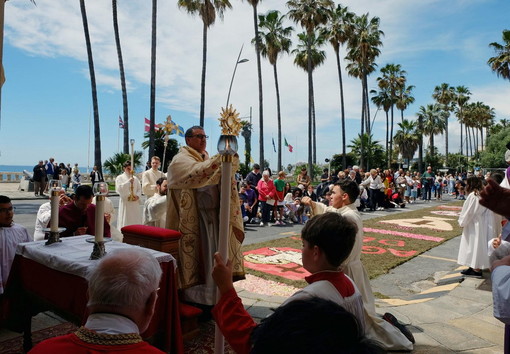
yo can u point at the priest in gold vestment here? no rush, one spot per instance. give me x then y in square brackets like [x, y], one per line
[193, 209]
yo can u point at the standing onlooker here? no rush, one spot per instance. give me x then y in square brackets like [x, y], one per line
[75, 179]
[279, 185]
[267, 192]
[253, 178]
[251, 202]
[95, 176]
[478, 224]
[64, 178]
[39, 179]
[427, 182]
[50, 169]
[374, 184]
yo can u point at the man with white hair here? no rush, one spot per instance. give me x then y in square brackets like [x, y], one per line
[123, 289]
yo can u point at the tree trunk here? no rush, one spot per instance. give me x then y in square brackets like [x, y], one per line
[387, 139]
[420, 145]
[153, 79]
[122, 78]
[342, 110]
[97, 131]
[431, 147]
[461, 138]
[367, 106]
[391, 138]
[279, 118]
[446, 143]
[310, 104]
[204, 69]
[259, 72]
[362, 151]
[314, 130]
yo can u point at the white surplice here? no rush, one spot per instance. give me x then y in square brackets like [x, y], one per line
[9, 239]
[129, 211]
[149, 179]
[42, 220]
[154, 211]
[478, 224]
[376, 327]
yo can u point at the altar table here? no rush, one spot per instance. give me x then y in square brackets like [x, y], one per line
[54, 277]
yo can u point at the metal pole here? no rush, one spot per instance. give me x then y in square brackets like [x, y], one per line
[234, 74]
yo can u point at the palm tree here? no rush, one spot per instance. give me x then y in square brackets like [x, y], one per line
[338, 30]
[310, 14]
[461, 97]
[433, 123]
[407, 139]
[97, 131]
[364, 144]
[153, 80]
[207, 10]
[246, 133]
[256, 40]
[444, 95]
[114, 164]
[500, 64]
[305, 47]
[404, 99]
[122, 77]
[478, 116]
[392, 80]
[273, 41]
[382, 99]
[363, 47]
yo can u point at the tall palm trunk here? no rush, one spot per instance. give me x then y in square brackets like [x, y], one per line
[153, 79]
[279, 118]
[310, 103]
[259, 73]
[97, 131]
[461, 138]
[387, 139]
[420, 146]
[122, 78]
[391, 138]
[204, 68]
[314, 130]
[446, 143]
[431, 147]
[367, 105]
[342, 110]
[362, 151]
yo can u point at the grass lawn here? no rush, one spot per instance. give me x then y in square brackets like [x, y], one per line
[389, 240]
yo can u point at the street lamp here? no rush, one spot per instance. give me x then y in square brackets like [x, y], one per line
[238, 61]
[328, 161]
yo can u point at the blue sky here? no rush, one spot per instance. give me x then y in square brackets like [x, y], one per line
[46, 100]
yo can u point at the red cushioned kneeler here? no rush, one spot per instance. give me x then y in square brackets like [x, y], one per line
[153, 237]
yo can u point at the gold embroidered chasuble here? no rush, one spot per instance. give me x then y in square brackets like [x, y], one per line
[188, 171]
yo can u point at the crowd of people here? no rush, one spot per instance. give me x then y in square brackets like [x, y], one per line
[188, 200]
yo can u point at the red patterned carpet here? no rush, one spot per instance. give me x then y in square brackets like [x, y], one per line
[15, 345]
[204, 343]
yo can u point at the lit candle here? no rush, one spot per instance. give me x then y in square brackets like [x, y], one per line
[55, 186]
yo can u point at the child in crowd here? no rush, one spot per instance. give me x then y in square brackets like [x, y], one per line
[327, 241]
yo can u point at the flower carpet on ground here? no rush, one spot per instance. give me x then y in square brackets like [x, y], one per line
[388, 241]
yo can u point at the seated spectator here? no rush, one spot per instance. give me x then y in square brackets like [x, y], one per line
[327, 241]
[79, 217]
[10, 235]
[123, 289]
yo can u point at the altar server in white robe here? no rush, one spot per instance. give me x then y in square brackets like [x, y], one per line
[478, 228]
[128, 184]
[10, 235]
[154, 209]
[386, 330]
[150, 177]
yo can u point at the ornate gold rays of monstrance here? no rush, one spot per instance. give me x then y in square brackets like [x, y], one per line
[227, 147]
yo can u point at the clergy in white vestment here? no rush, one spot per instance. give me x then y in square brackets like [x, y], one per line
[478, 228]
[128, 185]
[150, 177]
[193, 209]
[154, 209]
[109, 214]
[10, 235]
[343, 194]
